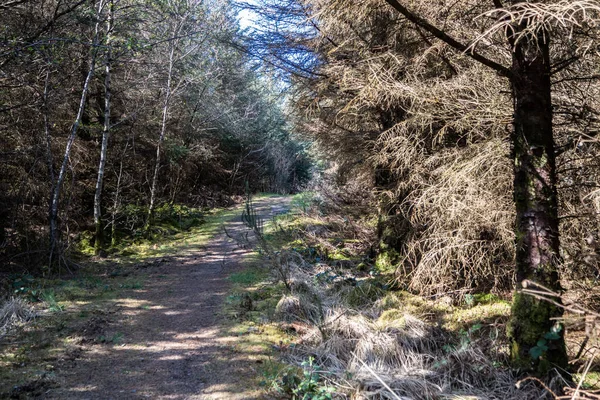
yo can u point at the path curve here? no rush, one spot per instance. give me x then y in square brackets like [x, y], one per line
[173, 341]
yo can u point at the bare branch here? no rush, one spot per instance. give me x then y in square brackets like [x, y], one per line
[443, 36]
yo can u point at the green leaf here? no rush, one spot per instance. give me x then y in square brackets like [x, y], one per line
[552, 336]
[536, 352]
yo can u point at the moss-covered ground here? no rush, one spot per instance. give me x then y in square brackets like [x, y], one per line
[74, 308]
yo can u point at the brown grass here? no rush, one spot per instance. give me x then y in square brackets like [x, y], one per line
[368, 356]
[13, 312]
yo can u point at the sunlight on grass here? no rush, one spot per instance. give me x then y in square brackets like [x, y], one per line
[249, 276]
[182, 243]
[78, 309]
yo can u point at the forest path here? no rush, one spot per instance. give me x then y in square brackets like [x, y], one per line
[169, 339]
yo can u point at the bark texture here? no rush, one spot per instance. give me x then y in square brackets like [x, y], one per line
[56, 189]
[99, 237]
[536, 341]
[535, 195]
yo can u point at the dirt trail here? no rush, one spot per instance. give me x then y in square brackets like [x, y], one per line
[170, 341]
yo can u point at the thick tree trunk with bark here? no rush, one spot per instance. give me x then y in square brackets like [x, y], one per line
[533, 345]
[537, 341]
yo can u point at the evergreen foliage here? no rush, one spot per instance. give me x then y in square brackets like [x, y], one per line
[185, 106]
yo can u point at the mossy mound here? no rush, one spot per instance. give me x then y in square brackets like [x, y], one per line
[363, 294]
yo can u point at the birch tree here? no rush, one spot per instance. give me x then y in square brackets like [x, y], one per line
[179, 47]
[105, 131]
[56, 192]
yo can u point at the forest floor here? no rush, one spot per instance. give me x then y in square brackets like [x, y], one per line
[161, 334]
[199, 314]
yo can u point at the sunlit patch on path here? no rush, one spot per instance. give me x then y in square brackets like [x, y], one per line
[168, 341]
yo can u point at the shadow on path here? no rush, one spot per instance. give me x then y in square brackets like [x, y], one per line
[169, 341]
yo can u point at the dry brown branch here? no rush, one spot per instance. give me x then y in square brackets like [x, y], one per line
[536, 19]
[543, 293]
[538, 381]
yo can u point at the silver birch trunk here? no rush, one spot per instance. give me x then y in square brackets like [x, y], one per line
[116, 200]
[55, 195]
[99, 242]
[161, 138]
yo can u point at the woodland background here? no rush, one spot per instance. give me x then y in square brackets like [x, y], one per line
[181, 105]
[118, 114]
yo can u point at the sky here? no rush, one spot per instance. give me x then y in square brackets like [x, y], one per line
[247, 17]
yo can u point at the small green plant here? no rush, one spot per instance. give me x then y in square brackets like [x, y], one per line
[24, 285]
[310, 387]
[541, 346]
[465, 337]
[49, 297]
[469, 300]
[305, 387]
[303, 201]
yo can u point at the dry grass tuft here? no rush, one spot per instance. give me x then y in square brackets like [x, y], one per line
[387, 352]
[13, 312]
[414, 359]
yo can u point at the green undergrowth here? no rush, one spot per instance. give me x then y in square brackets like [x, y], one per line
[250, 310]
[177, 231]
[443, 311]
[369, 282]
[362, 284]
[250, 314]
[76, 309]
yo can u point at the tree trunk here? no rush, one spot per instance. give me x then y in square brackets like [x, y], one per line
[99, 237]
[55, 194]
[161, 137]
[533, 345]
[537, 341]
[50, 164]
[116, 199]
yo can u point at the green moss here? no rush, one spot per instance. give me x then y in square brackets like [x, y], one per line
[339, 255]
[394, 318]
[413, 304]
[85, 244]
[485, 298]
[591, 381]
[391, 300]
[363, 294]
[395, 305]
[530, 322]
[459, 318]
[386, 261]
